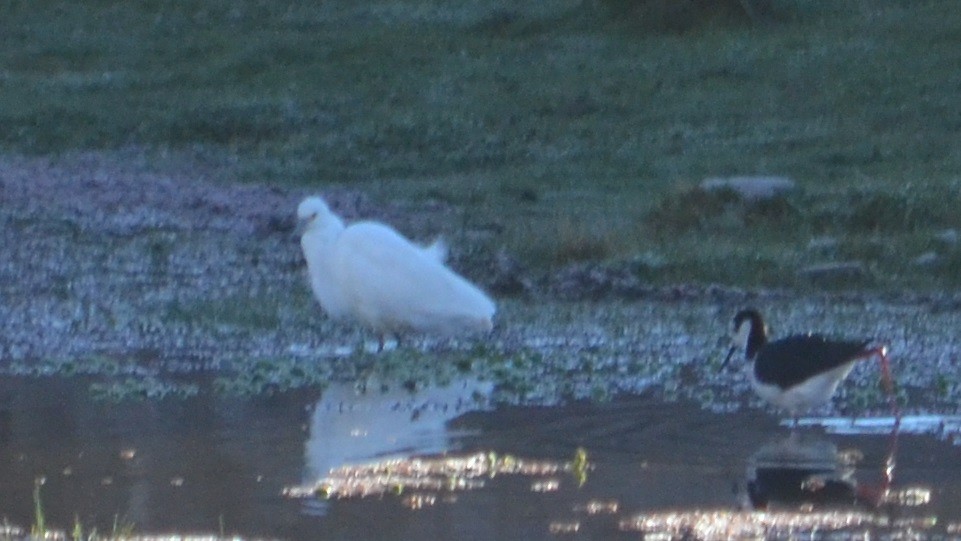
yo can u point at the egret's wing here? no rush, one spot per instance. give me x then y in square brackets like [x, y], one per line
[394, 283]
[437, 250]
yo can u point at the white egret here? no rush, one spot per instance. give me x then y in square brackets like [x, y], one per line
[369, 272]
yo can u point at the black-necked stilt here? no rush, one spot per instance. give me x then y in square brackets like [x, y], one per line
[802, 371]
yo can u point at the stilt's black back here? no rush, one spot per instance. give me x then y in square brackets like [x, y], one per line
[792, 360]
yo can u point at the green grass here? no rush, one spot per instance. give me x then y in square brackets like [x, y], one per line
[240, 312]
[583, 118]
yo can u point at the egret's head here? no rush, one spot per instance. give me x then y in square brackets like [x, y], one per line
[313, 212]
[312, 207]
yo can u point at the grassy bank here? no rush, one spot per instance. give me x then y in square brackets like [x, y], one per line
[568, 130]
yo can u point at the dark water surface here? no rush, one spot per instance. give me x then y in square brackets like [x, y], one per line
[222, 464]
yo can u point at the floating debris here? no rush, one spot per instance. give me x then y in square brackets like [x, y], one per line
[915, 524]
[560, 527]
[419, 501]
[909, 497]
[547, 485]
[9, 531]
[598, 507]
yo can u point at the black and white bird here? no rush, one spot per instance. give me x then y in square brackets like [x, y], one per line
[802, 371]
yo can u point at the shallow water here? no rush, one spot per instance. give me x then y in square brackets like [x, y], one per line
[212, 464]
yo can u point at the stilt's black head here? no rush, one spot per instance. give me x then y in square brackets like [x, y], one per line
[750, 333]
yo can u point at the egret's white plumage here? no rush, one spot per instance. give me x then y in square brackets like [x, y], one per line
[371, 273]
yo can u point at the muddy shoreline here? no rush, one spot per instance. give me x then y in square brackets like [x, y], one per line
[145, 262]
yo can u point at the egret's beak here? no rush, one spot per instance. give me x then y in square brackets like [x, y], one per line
[727, 359]
[301, 227]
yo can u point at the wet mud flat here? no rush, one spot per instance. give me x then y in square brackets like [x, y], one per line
[134, 268]
[158, 278]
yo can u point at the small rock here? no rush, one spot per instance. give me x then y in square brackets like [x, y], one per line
[927, 259]
[750, 188]
[509, 277]
[580, 106]
[823, 243]
[947, 236]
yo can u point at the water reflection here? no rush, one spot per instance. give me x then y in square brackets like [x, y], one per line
[801, 484]
[200, 465]
[805, 471]
[445, 473]
[352, 423]
[945, 427]
[656, 468]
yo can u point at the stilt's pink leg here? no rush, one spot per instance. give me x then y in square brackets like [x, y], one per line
[888, 383]
[886, 380]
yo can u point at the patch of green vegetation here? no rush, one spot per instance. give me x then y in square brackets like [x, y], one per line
[95, 365]
[408, 367]
[515, 376]
[718, 210]
[270, 376]
[719, 234]
[567, 125]
[142, 388]
[122, 529]
[245, 312]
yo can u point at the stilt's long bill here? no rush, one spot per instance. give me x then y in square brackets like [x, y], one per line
[801, 372]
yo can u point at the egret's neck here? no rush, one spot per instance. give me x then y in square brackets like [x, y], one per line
[323, 229]
[318, 239]
[318, 244]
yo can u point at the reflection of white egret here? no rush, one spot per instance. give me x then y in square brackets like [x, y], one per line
[371, 273]
[349, 427]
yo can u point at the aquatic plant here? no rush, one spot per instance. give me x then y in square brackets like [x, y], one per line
[144, 388]
[39, 527]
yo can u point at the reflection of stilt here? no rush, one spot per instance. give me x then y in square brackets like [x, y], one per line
[794, 472]
[878, 494]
